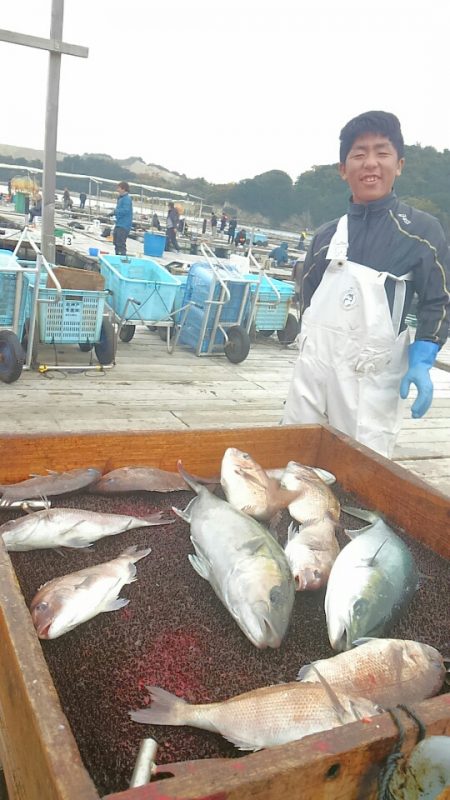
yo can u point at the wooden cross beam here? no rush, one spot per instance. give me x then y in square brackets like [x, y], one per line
[56, 48]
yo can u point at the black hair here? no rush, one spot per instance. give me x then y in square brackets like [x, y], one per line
[124, 185]
[382, 122]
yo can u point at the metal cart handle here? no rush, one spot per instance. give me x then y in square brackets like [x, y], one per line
[204, 248]
[270, 281]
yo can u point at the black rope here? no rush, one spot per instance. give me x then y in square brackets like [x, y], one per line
[384, 792]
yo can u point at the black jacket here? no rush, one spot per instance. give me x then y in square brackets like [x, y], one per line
[393, 237]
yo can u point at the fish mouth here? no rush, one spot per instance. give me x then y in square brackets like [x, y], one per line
[43, 630]
[263, 634]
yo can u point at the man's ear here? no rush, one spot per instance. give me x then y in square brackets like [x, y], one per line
[400, 165]
[342, 172]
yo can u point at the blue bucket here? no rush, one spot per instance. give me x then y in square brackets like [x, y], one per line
[154, 244]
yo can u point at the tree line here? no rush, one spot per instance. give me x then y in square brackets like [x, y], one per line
[274, 199]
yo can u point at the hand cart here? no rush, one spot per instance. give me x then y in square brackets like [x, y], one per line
[141, 291]
[216, 302]
[59, 316]
[15, 350]
[271, 306]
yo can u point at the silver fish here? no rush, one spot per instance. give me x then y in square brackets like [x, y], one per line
[244, 564]
[311, 551]
[372, 579]
[386, 671]
[313, 499]
[54, 483]
[263, 717]
[63, 603]
[69, 527]
[143, 479]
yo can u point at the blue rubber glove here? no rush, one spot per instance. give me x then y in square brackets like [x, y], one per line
[421, 357]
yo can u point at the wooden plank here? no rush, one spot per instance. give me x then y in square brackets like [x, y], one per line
[326, 766]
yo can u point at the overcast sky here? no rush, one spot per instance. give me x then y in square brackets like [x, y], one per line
[227, 90]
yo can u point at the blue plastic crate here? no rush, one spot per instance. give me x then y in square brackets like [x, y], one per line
[76, 318]
[203, 286]
[8, 281]
[271, 310]
[142, 279]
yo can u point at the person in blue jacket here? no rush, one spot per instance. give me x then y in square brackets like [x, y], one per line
[280, 254]
[123, 213]
[357, 362]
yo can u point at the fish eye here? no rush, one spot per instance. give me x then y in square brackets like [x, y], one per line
[41, 606]
[246, 456]
[276, 595]
[360, 607]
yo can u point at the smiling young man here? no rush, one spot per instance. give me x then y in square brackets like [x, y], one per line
[356, 363]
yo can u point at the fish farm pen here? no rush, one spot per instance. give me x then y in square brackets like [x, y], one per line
[78, 742]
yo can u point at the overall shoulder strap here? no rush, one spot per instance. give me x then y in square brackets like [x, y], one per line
[337, 249]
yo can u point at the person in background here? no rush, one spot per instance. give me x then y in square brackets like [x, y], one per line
[301, 242]
[223, 222]
[232, 225]
[36, 210]
[83, 198]
[280, 254]
[213, 224]
[123, 213]
[171, 228]
[155, 222]
[356, 362]
[241, 238]
[67, 200]
[204, 224]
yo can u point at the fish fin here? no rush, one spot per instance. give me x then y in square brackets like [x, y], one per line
[326, 476]
[201, 566]
[252, 546]
[77, 543]
[292, 531]
[51, 472]
[114, 605]
[190, 479]
[361, 513]
[369, 562]
[274, 522]
[335, 702]
[156, 519]
[186, 514]
[241, 744]
[135, 553]
[354, 533]
[363, 640]
[303, 672]
[166, 709]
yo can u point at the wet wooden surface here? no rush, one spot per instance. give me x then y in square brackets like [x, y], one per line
[151, 389]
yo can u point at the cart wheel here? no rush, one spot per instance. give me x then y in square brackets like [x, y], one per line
[12, 357]
[26, 331]
[85, 347]
[290, 330]
[266, 334]
[238, 345]
[127, 332]
[104, 349]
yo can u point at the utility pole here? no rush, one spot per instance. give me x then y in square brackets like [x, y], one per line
[56, 48]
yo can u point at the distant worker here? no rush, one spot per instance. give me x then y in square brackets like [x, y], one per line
[301, 242]
[171, 228]
[123, 213]
[155, 222]
[223, 222]
[241, 238]
[36, 210]
[280, 254]
[213, 224]
[232, 230]
[67, 200]
[205, 222]
[83, 198]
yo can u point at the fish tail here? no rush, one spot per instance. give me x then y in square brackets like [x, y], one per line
[135, 554]
[190, 479]
[166, 709]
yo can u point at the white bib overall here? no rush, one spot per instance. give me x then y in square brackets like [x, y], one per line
[352, 357]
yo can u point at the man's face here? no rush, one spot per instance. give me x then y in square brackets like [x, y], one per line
[120, 191]
[371, 167]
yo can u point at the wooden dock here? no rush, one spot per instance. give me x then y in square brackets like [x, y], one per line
[150, 389]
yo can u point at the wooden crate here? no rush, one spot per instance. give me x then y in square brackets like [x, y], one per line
[37, 749]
